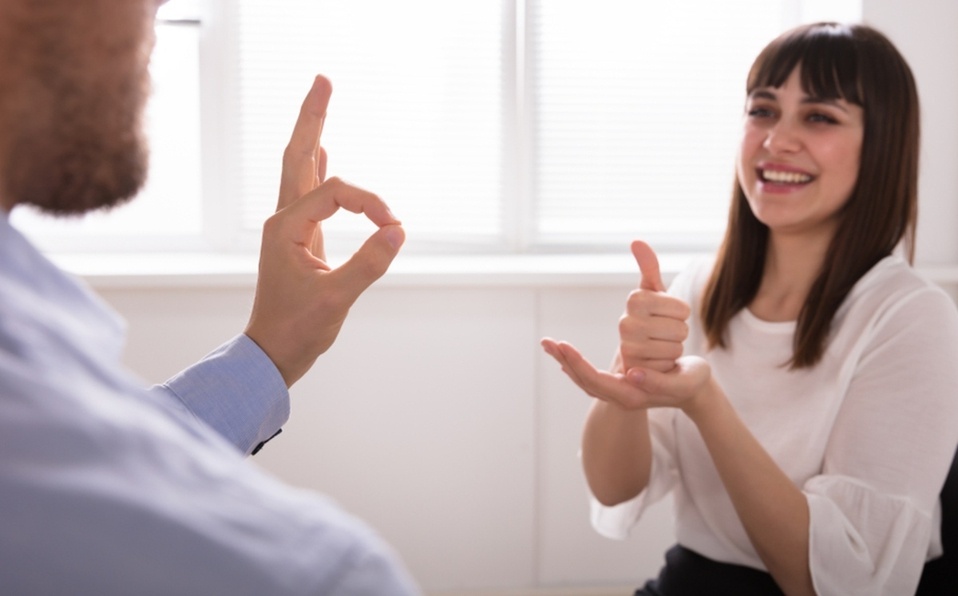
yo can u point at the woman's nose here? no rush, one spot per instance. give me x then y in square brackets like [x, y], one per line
[782, 137]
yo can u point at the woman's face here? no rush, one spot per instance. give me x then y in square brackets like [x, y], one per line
[798, 161]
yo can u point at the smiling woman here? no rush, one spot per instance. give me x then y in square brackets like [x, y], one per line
[764, 389]
[799, 157]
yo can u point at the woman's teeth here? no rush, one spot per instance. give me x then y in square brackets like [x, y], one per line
[785, 177]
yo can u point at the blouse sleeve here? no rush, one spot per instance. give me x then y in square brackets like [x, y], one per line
[873, 507]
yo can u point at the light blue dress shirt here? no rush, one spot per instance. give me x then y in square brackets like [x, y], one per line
[108, 488]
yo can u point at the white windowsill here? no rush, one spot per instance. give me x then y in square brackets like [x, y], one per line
[232, 270]
[239, 270]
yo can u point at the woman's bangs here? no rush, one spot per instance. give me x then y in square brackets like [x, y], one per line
[828, 59]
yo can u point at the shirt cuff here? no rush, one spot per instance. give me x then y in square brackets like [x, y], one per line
[238, 391]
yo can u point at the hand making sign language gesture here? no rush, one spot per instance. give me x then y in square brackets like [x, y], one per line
[301, 302]
[648, 369]
[649, 372]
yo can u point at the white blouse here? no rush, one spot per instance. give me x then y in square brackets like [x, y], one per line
[868, 433]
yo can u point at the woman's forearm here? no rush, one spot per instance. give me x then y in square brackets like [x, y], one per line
[616, 452]
[772, 509]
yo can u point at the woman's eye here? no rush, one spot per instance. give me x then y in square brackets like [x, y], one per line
[758, 112]
[825, 118]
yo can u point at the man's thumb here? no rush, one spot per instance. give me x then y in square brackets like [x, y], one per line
[372, 259]
[648, 266]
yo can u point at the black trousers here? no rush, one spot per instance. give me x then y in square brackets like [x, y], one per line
[687, 573]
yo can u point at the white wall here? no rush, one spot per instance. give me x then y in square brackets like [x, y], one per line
[437, 418]
[924, 30]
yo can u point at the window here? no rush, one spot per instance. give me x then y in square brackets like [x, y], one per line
[489, 126]
[417, 113]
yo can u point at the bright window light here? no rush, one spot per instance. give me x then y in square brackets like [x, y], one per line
[499, 126]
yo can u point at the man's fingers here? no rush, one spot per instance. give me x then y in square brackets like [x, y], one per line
[304, 161]
[309, 123]
[308, 211]
[371, 261]
[321, 167]
[648, 266]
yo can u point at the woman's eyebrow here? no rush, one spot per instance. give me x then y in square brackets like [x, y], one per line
[762, 94]
[768, 94]
[834, 102]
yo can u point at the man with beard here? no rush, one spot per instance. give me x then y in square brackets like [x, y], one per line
[107, 488]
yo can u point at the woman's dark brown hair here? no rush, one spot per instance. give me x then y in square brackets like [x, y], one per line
[860, 65]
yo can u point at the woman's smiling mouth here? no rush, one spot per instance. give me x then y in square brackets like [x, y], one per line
[783, 177]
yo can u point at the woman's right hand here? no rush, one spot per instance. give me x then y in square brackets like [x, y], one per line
[651, 333]
[653, 327]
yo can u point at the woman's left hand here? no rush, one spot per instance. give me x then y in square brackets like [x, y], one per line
[638, 388]
[685, 386]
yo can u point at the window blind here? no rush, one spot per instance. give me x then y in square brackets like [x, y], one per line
[638, 107]
[416, 113]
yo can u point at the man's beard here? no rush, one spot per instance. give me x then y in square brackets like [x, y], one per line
[79, 168]
[76, 140]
